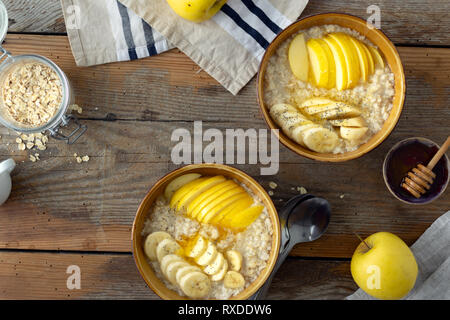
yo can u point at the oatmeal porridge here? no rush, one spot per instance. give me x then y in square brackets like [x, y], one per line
[212, 246]
[329, 89]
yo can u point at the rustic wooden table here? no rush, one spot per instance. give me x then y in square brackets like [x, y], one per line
[61, 213]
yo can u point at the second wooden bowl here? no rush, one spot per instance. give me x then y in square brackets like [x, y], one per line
[204, 169]
[376, 37]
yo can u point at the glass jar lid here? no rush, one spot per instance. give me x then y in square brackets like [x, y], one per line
[3, 22]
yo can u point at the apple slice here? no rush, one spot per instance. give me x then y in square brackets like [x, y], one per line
[350, 58]
[209, 203]
[222, 205]
[318, 62]
[298, 57]
[180, 193]
[362, 57]
[369, 58]
[238, 205]
[209, 195]
[331, 64]
[241, 220]
[379, 61]
[197, 190]
[178, 182]
[350, 122]
[353, 134]
[315, 102]
[339, 60]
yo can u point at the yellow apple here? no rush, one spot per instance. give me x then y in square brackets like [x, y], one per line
[298, 58]
[209, 214]
[194, 192]
[386, 269]
[339, 60]
[209, 195]
[196, 10]
[318, 62]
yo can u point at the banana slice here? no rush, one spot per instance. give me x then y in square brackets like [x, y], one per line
[315, 102]
[313, 110]
[234, 258]
[343, 111]
[178, 182]
[209, 255]
[353, 134]
[297, 131]
[152, 241]
[350, 122]
[320, 139]
[184, 271]
[233, 280]
[216, 265]
[165, 247]
[172, 269]
[167, 260]
[281, 108]
[195, 285]
[198, 248]
[221, 274]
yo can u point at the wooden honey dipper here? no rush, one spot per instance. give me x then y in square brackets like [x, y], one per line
[420, 179]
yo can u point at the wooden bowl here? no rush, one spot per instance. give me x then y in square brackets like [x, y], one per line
[376, 37]
[205, 169]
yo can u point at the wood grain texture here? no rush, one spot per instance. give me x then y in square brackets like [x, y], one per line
[411, 22]
[38, 275]
[132, 109]
[39, 16]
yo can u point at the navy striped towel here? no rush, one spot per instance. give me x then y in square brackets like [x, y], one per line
[229, 46]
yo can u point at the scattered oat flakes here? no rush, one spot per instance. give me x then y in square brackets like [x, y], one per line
[32, 158]
[44, 139]
[19, 141]
[75, 155]
[302, 190]
[75, 107]
[270, 193]
[342, 196]
[30, 145]
[21, 146]
[37, 156]
[273, 185]
[79, 160]
[85, 158]
[41, 147]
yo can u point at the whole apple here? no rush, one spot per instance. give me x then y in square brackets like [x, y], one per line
[384, 266]
[196, 10]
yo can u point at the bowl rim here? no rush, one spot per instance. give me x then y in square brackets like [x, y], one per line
[327, 157]
[394, 148]
[276, 229]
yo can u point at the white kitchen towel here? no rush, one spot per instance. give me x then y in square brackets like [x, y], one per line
[104, 31]
[432, 252]
[229, 46]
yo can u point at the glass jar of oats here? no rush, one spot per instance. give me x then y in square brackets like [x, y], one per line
[35, 93]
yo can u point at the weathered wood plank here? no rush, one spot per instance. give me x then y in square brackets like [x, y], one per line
[41, 16]
[410, 22]
[39, 275]
[57, 204]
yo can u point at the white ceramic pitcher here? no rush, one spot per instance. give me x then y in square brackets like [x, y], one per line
[6, 167]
